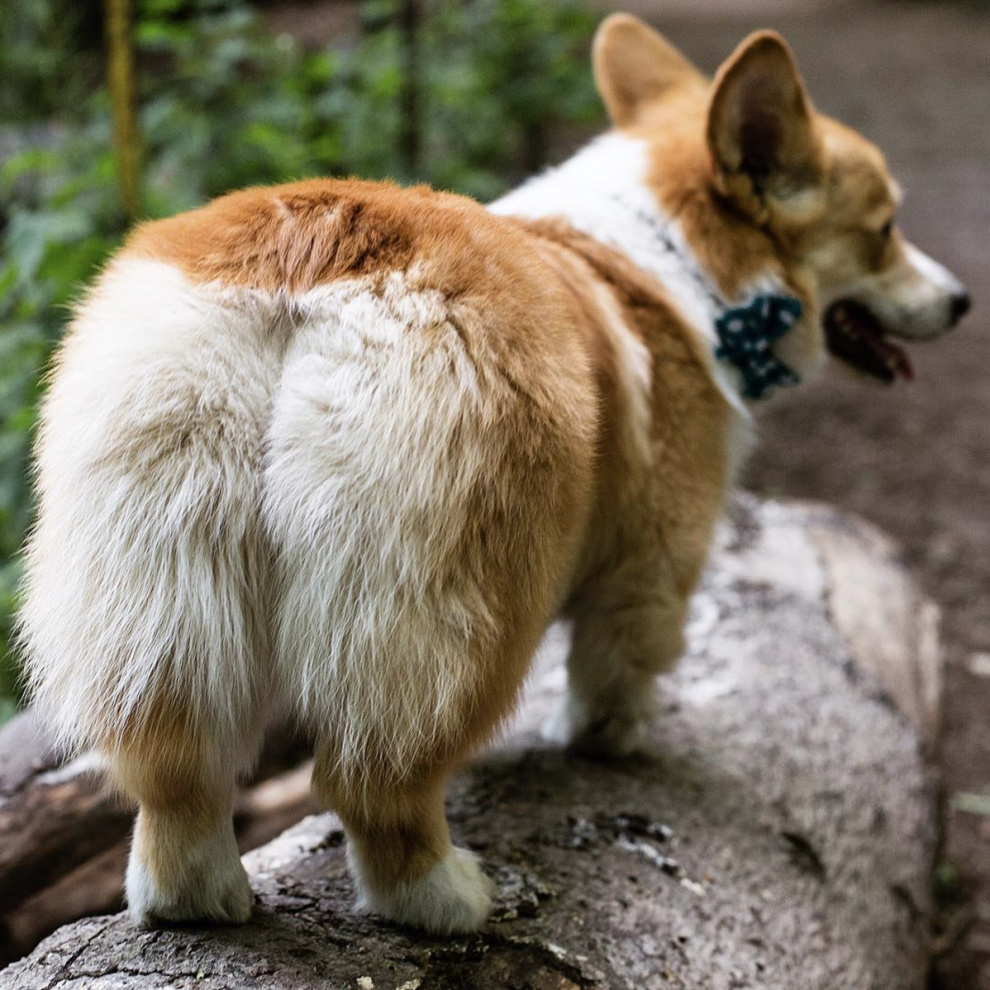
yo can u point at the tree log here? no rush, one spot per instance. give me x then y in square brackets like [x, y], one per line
[779, 831]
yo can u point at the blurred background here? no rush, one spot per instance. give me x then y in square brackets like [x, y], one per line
[472, 95]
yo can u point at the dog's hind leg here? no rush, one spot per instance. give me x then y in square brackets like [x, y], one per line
[627, 628]
[184, 863]
[407, 712]
[400, 852]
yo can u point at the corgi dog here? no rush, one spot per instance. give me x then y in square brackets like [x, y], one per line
[341, 451]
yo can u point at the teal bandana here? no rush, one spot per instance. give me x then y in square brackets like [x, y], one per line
[745, 334]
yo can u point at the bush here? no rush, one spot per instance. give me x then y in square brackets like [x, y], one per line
[222, 105]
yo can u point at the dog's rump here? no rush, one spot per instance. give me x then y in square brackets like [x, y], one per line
[343, 502]
[420, 491]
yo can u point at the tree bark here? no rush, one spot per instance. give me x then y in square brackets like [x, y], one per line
[779, 831]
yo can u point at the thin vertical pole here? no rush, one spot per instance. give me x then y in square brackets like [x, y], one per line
[120, 71]
[410, 137]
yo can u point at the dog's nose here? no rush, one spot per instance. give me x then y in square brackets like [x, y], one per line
[960, 305]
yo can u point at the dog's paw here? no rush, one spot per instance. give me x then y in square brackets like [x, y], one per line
[455, 896]
[208, 884]
[613, 735]
[593, 729]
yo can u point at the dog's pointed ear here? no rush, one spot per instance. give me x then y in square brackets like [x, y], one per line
[634, 65]
[761, 129]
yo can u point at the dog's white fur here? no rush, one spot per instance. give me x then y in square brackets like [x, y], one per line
[146, 553]
[349, 484]
[455, 896]
[144, 499]
[915, 296]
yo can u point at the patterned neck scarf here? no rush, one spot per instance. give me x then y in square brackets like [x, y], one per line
[745, 335]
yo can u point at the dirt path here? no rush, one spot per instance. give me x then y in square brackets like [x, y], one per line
[914, 459]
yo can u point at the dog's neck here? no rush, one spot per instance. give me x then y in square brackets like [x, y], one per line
[601, 192]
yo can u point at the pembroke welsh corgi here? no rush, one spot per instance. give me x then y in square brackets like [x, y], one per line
[341, 450]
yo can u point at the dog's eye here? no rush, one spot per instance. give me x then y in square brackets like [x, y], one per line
[887, 229]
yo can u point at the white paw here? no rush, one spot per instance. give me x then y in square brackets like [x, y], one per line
[207, 883]
[455, 896]
[613, 730]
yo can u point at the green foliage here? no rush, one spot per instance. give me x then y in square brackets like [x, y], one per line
[234, 108]
[498, 77]
[224, 104]
[43, 65]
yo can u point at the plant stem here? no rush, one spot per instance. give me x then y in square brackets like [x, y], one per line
[410, 136]
[120, 72]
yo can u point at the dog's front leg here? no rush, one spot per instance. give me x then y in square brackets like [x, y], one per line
[624, 634]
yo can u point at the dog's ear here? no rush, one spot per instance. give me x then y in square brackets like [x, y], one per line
[634, 65]
[761, 130]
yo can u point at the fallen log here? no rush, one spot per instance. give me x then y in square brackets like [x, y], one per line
[778, 832]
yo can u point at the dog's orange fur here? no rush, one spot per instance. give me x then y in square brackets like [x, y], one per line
[295, 237]
[691, 419]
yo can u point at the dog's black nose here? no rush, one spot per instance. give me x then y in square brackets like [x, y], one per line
[960, 306]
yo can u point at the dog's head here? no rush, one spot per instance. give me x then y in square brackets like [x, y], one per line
[761, 183]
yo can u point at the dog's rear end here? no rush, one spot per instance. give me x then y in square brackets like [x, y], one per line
[253, 503]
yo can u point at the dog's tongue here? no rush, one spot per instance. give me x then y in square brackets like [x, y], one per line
[855, 336]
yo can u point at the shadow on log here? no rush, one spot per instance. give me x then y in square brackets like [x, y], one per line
[778, 832]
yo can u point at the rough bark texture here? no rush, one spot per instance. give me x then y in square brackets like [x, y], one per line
[779, 833]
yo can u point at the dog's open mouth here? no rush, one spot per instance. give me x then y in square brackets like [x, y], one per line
[856, 336]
